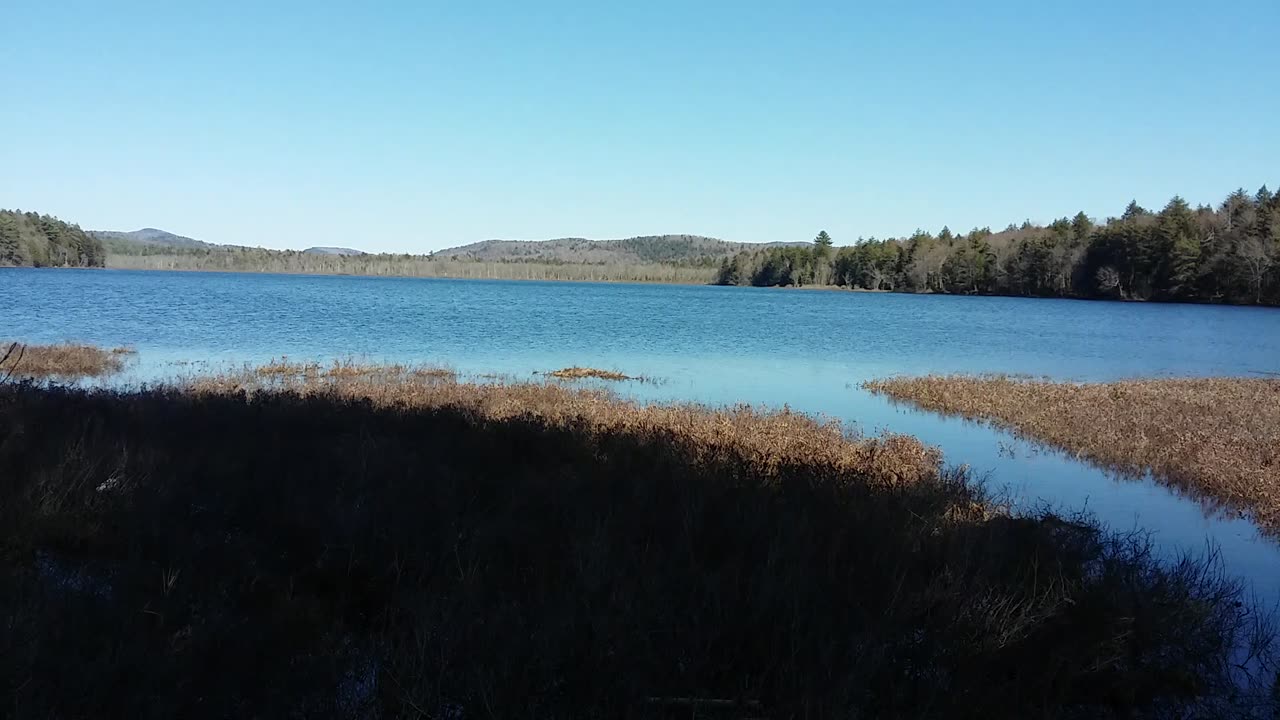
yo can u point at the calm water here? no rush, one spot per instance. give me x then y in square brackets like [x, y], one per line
[808, 350]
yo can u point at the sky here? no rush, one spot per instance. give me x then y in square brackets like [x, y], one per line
[410, 126]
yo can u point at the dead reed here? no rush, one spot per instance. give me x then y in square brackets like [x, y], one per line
[284, 372]
[771, 438]
[1218, 439]
[64, 361]
[582, 373]
[318, 542]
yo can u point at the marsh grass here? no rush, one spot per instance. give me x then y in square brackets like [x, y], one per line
[393, 544]
[1216, 439]
[285, 372]
[63, 361]
[579, 373]
[585, 373]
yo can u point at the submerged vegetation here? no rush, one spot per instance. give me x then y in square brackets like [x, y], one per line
[305, 540]
[1216, 438]
[64, 361]
[1230, 254]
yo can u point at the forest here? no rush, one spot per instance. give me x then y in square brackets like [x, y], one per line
[33, 240]
[1228, 254]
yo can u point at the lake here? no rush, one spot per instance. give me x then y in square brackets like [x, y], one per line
[808, 350]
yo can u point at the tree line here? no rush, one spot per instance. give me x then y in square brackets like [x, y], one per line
[239, 259]
[1227, 254]
[33, 240]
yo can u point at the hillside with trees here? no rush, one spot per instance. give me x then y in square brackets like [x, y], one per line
[32, 240]
[689, 259]
[687, 250]
[240, 259]
[147, 241]
[1224, 254]
[1227, 254]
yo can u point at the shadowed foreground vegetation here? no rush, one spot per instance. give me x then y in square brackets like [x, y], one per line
[65, 361]
[397, 544]
[1216, 438]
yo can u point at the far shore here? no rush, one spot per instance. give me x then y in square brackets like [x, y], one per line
[626, 281]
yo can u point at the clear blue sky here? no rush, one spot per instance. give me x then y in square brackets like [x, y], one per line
[411, 126]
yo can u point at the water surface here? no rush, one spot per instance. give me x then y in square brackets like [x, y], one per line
[807, 350]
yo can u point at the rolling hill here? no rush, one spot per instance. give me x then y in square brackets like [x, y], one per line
[646, 249]
[643, 249]
[118, 241]
[321, 250]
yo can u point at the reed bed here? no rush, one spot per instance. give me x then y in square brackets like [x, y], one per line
[580, 373]
[64, 361]
[771, 438]
[307, 541]
[1217, 439]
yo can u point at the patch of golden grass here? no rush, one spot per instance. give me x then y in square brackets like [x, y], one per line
[282, 371]
[772, 438]
[1217, 438]
[65, 361]
[582, 373]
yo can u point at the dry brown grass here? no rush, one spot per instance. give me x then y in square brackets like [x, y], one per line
[65, 361]
[774, 438]
[282, 371]
[582, 373]
[1216, 438]
[356, 541]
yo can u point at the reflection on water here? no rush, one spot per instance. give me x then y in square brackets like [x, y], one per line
[807, 350]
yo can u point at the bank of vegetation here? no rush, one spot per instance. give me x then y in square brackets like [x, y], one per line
[28, 239]
[61, 361]
[362, 542]
[228, 259]
[1228, 254]
[1216, 439]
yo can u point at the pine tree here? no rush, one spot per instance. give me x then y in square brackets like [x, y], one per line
[9, 252]
[1133, 211]
[1081, 226]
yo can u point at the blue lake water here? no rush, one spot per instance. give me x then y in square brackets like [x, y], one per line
[807, 350]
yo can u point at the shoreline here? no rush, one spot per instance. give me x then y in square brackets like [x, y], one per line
[671, 283]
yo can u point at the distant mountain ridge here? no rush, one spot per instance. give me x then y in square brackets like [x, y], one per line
[148, 236]
[324, 250]
[641, 249]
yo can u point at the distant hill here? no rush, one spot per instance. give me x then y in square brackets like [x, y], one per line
[679, 249]
[687, 250]
[333, 251]
[114, 240]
